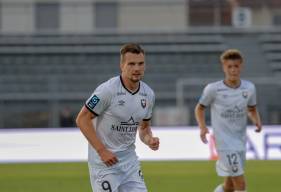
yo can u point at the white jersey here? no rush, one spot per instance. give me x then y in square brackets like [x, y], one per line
[229, 112]
[119, 113]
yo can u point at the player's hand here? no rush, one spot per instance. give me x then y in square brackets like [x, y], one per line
[258, 128]
[107, 157]
[153, 143]
[203, 132]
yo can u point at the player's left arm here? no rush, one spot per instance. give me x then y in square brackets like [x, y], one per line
[147, 137]
[254, 116]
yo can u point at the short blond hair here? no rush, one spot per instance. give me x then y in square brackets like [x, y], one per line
[231, 54]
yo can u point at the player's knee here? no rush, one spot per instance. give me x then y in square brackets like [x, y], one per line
[228, 185]
[228, 188]
[223, 188]
[219, 188]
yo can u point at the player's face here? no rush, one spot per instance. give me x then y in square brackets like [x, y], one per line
[133, 66]
[232, 69]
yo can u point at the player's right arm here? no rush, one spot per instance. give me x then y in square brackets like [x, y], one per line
[84, 122]
[200, 118]
[206, 99]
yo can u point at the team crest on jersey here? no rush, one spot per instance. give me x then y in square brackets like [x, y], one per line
[143, 103]
[93, 102]
[245, 94]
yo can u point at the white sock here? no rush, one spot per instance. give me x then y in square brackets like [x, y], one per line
[219, 188]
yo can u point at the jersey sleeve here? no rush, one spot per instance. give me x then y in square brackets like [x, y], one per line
[99, 100]
[150, 108]
[207, 96]
[253, 97]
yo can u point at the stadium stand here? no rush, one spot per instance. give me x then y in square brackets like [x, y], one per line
[40, 64]
[271, 45]
[64, 69]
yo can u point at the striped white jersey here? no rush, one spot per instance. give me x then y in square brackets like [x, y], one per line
[119, 113]
[229, 112]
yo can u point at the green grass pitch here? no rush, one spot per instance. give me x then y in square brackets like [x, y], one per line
[166, 176]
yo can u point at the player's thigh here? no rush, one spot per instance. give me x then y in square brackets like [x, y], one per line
[230, 163]
[239, 182]
[104, 181]
[228, 184]
[133, 187]
[134, 181]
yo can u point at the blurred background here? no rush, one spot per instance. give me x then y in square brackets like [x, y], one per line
[54, 53]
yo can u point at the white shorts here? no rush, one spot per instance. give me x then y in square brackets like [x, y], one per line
[230, 163]
[126, 178]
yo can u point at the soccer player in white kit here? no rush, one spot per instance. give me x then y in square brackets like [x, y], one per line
[110, 120]
[230, 100]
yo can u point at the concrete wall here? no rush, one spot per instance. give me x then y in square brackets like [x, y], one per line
[77, 18]
[17, 18]
[155, 15]
[261, 17]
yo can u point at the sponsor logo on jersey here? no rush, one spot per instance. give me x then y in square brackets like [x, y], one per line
[93, 102]
[121, 93]
[143, 103]
[232, 114]
[221, 89]
[129, 126]
[131, 121]
[121, 102]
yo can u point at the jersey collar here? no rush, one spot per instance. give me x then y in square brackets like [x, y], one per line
[133, 93]
[237, 87]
